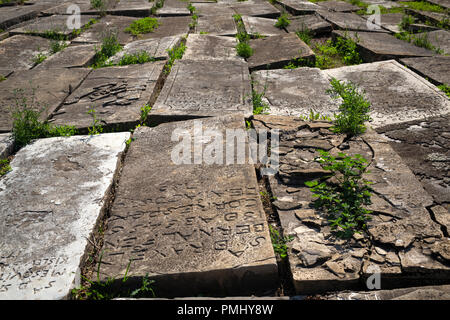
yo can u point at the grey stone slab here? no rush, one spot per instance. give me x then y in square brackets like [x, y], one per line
[56, 24]
[205, 88]
[203, 47]
[71, 57]
[62, 9]
[173, 8]
[10, 16]
[186, 233]
[261, 26]
[437, 69]
[277, 51]
[51, 87]
[312, 22]
[348, 21]
[390, 21]
[440, 39]
[338, 6]
[50, 203]
[156, 48]
[381, 46]
[134, 8]
[6, 145]
[116, 93]
[217, 25]
[255, 9]
[5, 73]
[435, 17]
[169, 26]
[297, 7]
[18, 52]
[396, 93]
[213, 9]
[384, 3]
[295, 92]
[442, 3]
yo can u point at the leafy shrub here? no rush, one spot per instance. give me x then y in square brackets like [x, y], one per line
[244, 50]
[282, 21]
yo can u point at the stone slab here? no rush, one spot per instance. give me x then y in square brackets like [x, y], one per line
[50, 204]
[440, 39]
[255, 9]
[133, 8]
[189, 235]
[436, 69]
[117, 94]
[256, 26]
[381, 46]
[6, 145]
[173, 8]
[62, 9]
[390, 21]
[347, 21]
[295, 92]
[205, 88]
[312, 22]
[298, 7]
[435, 17]
[203, 47]
[384, 3]
[396, 93]
[277, 51]
[169, 26]
[52, 87]
[213, 9]
[217, 25]
[10, 16]
[338, 6]
[5, 73]
[156, 48]
[56, 23]
[442, 3]
[71, 57]
[18, 52]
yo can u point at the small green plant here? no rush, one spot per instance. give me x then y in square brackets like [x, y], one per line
[2, 78]
[313, 116]
[244, 50]
[204, 32]
[4, 167]
[347, 48]
[57, 46]
[343, 199]
[39, 58]
[97, 4]
[407, 20]
[96, 127]
[158, 5]
[175, 53]
[354, 108]
[142, 26]
[259, 106]
[110, 46]
[279, 242]
[421, 40]
[422, 6]
[305, 35]
[145, 110]
[136, 58]
[445, 88]
[282, 21]
[194, 21]
[191, 8]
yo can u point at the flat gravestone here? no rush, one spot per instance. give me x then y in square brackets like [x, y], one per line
[51, 87]
[381, 46]
[173, 8]
[385, 3]
[217, 25]
[189, 235]
[156, 48]
[348, 21]
[70, 57]
[50, 203]
[205, 47]
[134, 8]
[297, 7]
[437, 68]
[261, 26]
[440, 39]
[255, 9]
[278, 51]
[338, 6]
[6, 145]
[169, 26]
[396, 93]
[19, 52]
[63, 8]
[310, 22]
[205, 88]
[117, 94]
[213, 9]
[390, 21]
[10, 16]
[295, 92]
[55, 24]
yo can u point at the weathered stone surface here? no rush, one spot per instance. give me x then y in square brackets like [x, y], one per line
[205, 88]
[299, 6]
[156, 48]
[390, 21]
[442, 217]
[62, 8]
[116, 93]
[6, 145]
[384, 3]
[51, 88]
[50, 203]
[213, 9]
[217, 25]
[5, 73]
[415, 293]
[338, 6]
[347, 21]
[381, 46]
[10, 16]
[396, 93]
[255, 9]
[440, 39]
[442, 3]
[295, 92]
[135, 8]
[70, 57]
[312, 22]
[261, 26]
[173, 8]
[435, 17]
[203, 47]
[267, 53]
[186, 233]
[18, 52]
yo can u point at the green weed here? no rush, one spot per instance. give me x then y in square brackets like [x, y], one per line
[136, 58]
[142, 26]
[313, 116]
[259, 106]
[4, 167]
[110, 46]
[244, 50]
[423, 6]
[279, 242]
[57, 46]
[96, 127]
[175, 53]
[305, 35]
[445, 88]
[282, 21]
[39, 58]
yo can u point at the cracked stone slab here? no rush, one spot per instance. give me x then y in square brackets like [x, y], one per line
[204, 88]
[255, 9]
[6, 145]
[71, 57]
[384, 3]
[188, 234]
[390, 21]
[173, 8]
[396, 93]
[134, 8]
[299, 7]
[117, 94]
[10, 16]
[295, 92]
[217, 25]
[261, 26]
[347, 21]
[213, 9]
[338, 6]
[156, 48]
[437, 68]
[312, 22]
[18, 52]
[267, 53]
[440, 39]
[50, 204]
[381, 46]
[203, 47]
[51, 88]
